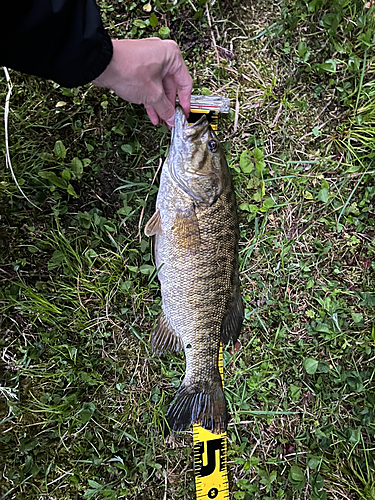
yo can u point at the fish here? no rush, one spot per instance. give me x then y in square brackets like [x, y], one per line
[196, 235]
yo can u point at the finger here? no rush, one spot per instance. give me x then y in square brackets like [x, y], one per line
[184, 84]
[170, 89]
[170, 121]
[152, 114]
[182, 80]
[163, 107]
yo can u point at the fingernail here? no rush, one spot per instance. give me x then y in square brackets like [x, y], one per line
[170, 120]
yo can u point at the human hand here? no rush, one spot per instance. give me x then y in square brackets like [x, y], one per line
[152, 72]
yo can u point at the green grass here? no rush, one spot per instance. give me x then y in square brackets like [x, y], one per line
[82, 398]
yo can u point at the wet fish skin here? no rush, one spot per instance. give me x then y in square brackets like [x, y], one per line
[196, 251]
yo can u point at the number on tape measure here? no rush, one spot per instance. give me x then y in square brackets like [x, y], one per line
[209, 458]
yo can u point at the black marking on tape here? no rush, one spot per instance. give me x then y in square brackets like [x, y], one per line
[212, 116]
[210, 457]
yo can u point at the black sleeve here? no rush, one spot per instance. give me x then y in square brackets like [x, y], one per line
[62, 40]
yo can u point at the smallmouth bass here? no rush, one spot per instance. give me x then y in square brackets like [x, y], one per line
[196, 251]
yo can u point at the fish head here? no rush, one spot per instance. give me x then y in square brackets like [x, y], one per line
[196, 160]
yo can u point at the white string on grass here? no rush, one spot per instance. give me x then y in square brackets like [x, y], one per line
[6, 119]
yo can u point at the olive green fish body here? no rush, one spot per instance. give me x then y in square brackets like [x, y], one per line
[196, 252]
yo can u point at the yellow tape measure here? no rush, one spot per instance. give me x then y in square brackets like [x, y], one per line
[213, 116]
[211, 106]
[210, 450]
[210, 459]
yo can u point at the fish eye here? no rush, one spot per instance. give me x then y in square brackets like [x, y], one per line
[212, 145]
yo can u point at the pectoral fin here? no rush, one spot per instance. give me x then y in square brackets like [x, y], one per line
[186, 228]
[153, 226]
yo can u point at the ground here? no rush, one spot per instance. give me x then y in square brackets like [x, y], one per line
[82, 398]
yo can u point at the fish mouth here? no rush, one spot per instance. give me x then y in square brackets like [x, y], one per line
[183, 131]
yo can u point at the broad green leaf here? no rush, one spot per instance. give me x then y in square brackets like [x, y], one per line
[313, 462]
[28, 445]
[139, 23]
[316, 479]
[316, 132]
[153, 20]
[245, 207]
[109, 226]
[268, 203]
[94, 484]
[323, 367]
[353, 168]
[58, 257]
[70, 190]
[297, 477]
[323, 195]
[33, 249]
[302, 49]
[66, 175]
[329, 66]
[59, 149]
[258, 154]
[132, 269]
[147, 269]
[295, 392]
[310, 365]
[118, 129]
[259, 160]
[246, 162]
[76, 167]
[260, 192]
[368, 299]
[91, 254]
[127, 148]
[86, 412]
[85, 219]
[164, 32]
[354, 63]
[147, 7]
[357, 317]
[52, 177]
[89, 493]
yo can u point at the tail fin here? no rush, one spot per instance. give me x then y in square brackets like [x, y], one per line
[202, 403]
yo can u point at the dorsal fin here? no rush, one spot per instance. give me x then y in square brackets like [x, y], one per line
[232, 322]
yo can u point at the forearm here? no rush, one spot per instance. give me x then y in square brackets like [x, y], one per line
[62, 40]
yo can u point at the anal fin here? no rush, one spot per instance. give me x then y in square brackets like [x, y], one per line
[164, 338]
